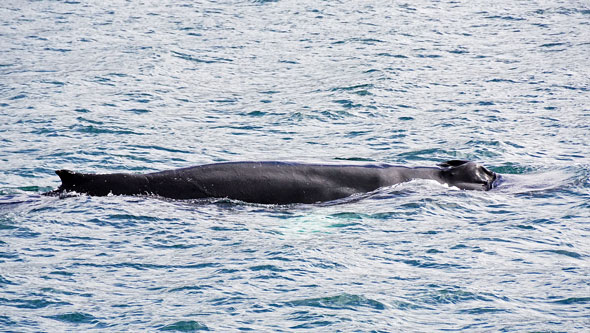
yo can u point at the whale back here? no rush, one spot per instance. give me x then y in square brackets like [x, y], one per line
[468, 175]
[275, 183]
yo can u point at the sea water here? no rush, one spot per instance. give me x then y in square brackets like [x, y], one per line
[141, 86]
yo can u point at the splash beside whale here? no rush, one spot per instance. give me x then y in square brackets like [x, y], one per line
[274, 182]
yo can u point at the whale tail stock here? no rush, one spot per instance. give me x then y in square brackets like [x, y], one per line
[68, 181]
[68, 178]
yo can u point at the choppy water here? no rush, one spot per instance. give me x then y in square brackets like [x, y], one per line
[144, 86]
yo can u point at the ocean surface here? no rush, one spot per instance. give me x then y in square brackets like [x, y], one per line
[142, 86]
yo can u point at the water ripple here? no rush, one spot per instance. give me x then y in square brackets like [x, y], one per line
[149, 86]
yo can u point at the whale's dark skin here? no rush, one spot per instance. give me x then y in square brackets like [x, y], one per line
[273, 182]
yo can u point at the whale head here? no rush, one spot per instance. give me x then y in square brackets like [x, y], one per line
[468, 175]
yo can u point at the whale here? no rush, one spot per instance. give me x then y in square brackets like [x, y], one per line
[273, 182]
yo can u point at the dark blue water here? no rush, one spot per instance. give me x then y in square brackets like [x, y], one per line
[153, 85]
